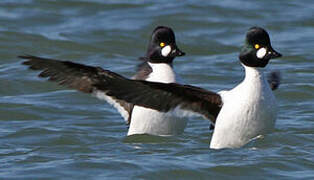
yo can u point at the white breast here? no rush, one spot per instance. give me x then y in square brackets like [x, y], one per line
[148, 121]
[248, 110]
[161, 72]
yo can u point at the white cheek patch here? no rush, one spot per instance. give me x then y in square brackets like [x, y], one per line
[165, 51]
[261, 53]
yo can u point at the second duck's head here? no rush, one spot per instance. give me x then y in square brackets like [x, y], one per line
[162, 47]
[257, 50]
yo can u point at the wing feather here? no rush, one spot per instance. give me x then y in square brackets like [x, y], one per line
[159, 96]
[76, 76]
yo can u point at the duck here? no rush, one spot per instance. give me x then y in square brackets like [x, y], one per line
[250, 108]
[156, 66]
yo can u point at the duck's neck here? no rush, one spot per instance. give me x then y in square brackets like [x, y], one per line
[253, 74]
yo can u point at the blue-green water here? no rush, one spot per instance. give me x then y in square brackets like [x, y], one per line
[48, 132]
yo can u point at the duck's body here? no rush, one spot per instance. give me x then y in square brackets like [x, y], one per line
[149, 121]
[248, 110]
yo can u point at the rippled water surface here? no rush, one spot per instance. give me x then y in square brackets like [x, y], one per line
[48, 132]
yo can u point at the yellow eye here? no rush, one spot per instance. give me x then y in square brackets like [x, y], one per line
[256, 46]
[162, 44]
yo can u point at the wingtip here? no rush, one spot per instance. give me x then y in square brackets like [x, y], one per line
[25, 56]
[29, 60]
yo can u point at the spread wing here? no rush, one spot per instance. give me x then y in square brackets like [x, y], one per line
[181, 99]
[76, 76]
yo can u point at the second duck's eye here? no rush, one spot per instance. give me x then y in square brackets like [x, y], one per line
[162, 44]
[256, 46]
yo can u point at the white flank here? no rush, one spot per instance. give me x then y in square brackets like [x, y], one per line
[165, 51]
[248, 110]
[148, 121]
[261, 53]
[101, 95]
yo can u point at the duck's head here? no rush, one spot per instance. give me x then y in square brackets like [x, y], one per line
[257, 50]
[162, 47]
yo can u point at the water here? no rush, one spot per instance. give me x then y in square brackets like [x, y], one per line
[49, 132]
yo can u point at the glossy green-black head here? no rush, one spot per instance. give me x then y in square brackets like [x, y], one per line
[162, 47]
[257, 50]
